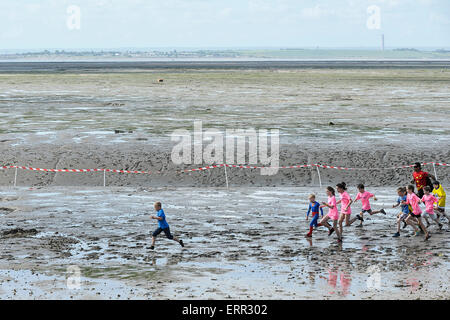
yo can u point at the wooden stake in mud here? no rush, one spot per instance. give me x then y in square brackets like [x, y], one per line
[226, 175]
[15, 178]
[318, 174]
[434, 167]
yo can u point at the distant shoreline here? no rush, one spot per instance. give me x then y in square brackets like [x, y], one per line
[8, 66]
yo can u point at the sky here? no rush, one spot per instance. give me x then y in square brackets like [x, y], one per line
[101, 24]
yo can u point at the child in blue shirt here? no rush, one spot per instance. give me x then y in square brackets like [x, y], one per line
[314, 207]
[162, 226]
[401, 201]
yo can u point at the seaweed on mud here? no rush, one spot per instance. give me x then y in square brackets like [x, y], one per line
[19, 233]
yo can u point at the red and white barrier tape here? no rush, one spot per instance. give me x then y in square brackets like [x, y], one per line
[218, 166]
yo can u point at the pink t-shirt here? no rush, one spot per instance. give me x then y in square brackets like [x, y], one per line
[345, 200]
[413, 200]
[365, 196]
[333, 213]
[429, 201]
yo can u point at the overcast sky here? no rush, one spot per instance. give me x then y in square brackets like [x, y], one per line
[36, 24]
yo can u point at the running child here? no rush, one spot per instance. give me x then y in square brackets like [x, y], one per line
[401, 217]
[413, 200]
[345, 202]
[429, 200]
[314, 206]
[364, 196]
[163, 226]
[333, 214]
[439, 193]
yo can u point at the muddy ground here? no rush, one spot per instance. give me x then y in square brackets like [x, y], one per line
[240, 243]
[245, 242]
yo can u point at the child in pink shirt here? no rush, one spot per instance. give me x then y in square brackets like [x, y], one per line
[364, 196]
[333, 214]
[429, 199]
[413, 200]
[345, 202]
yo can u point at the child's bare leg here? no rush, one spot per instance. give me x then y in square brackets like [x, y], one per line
[153, 241]
[399, 220]
[341, 219]
[435, 219]
[361, 214]
[443, 214]
[338, 232]
[410, 221]
[324, 222]
[423, 227]
[349, 221]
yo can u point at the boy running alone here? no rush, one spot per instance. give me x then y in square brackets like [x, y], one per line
[163, 226]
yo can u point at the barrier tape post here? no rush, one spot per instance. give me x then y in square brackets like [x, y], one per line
[104, 178]
[435, 175]
[15, 178]
[226, 175]
[318, 174]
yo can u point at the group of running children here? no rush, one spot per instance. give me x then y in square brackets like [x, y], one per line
[411, 214]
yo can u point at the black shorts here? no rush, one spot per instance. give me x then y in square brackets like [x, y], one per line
[420, 193]
[368, 211]
[166, 232]
[415, 215]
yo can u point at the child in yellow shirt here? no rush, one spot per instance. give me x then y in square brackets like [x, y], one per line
[439, 193]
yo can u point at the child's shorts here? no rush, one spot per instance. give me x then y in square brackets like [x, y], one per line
[166, 232]
[333, 216]
[429, 215]
[369, 211]
[415, 215]
[404, 215]
[441, 209]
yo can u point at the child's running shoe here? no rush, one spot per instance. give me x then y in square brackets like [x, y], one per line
[331, 231]
[152, 247]
[383, 212]
[359, 217]
[181, 243]
[404, 225]
[427, 237]
[397, 234]
[417, 233]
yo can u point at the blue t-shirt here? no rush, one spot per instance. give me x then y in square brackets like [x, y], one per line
[162, 223]
[314, 207]
[405, 207]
